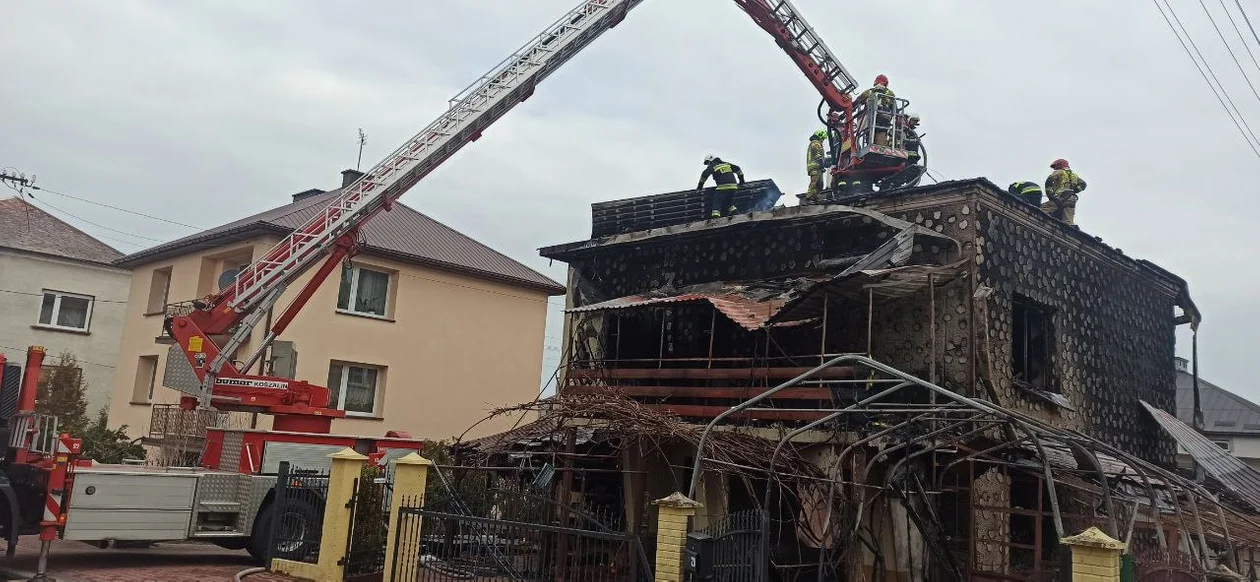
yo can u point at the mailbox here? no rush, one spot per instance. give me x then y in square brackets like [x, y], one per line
[699, 556]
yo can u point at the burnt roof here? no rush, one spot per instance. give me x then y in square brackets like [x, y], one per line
[1223, 411]
[24, 227]
[402, 233]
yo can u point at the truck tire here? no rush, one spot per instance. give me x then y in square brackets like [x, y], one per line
[298, 530]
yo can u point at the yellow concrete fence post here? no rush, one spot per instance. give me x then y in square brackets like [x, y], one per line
[411, 474]
[671, 534]
[1095, 556]
[347, 466]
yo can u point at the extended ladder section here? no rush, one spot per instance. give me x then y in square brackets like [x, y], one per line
[795, 36]
[470, 112]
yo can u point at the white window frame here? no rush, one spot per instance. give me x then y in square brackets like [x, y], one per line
[377, 391]
[56, 310]
[356, 270]
[166, 273]
[1229, 444]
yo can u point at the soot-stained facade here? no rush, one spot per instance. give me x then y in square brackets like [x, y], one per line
[957, 283]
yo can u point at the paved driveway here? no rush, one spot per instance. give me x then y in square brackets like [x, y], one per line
[168, 562]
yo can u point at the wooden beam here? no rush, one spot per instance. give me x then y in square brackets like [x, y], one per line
[697, 411]
[744, 393]
[836, 373]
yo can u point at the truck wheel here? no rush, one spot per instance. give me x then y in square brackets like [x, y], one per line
[297, 531]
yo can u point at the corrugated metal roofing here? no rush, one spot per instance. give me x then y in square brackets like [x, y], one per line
[1235, 475]
[749, 306]
[1223, 411]
[785, 301]
[402, 233]
[25, 227]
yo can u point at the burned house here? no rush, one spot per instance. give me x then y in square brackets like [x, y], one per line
[933, 383]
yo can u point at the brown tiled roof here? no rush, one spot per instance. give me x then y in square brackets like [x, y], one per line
[25, 227]
[401, 233]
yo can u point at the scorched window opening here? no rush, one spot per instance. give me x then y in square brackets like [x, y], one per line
[1032, 336]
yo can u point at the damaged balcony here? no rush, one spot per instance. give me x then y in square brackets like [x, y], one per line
[695, 318]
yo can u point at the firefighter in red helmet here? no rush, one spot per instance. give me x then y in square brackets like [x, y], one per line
[884, 101]
[1063, 188]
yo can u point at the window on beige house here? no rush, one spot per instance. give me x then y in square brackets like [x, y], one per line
[67, 311]
[355, 388]
[146, 380]
[158, 289]
[363, 291]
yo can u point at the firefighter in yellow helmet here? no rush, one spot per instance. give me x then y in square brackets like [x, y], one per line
[815, 161]
[1063, 187]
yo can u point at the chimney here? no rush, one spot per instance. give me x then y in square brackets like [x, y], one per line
[349, 177]
[307, 194]
[1183, 365]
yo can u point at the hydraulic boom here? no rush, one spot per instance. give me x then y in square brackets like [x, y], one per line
[331, 236]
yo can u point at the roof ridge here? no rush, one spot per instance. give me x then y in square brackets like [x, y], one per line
[1235, 397]
[475, 241]
[28, 207]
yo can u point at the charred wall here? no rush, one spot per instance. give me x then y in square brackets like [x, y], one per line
[1111, 321]
[1112, 325]
[758, 250]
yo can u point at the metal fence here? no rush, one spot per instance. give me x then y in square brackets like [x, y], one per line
[437, 546]
[740, 547]
[369, 525]
[296, 514]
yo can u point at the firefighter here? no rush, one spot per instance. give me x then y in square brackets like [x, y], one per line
[728, 177]
[815, 161]
[1063, 188]
[910, 137]
[1029, 192]
[883, 100]
[884, 95]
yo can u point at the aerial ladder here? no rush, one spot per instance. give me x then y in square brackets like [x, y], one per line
[331, 236]
[40, 468]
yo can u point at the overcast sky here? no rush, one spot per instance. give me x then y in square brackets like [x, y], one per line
[204, 112]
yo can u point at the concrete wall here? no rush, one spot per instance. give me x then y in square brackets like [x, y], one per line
[451, 348]
[23, 279]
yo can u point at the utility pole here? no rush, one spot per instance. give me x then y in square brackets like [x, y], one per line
[18, 181]
[362, 142]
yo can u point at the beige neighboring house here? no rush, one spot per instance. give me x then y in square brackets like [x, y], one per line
[60, 289]
[425, 332]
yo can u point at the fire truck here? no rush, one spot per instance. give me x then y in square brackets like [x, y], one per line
[46, 488]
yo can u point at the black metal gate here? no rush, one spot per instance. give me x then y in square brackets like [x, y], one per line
[740, 546]
[436, 546]
[295, 515]
[369, 526]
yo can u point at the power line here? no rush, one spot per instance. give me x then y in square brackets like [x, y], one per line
[48, 355]
[1248, 21]
[94, 299]
[21, 179]
[1216, 93]
[1230, 50]
[98, 225]
[1208, 67]
[1241, 38]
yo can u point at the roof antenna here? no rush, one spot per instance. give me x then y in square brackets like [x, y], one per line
[362, 142]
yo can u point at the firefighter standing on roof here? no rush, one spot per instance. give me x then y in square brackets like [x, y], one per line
[1063, 187]
[729, 177]
[815, 161]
